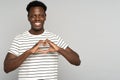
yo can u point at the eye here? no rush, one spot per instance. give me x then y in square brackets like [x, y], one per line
[42, 15]
[32, 16]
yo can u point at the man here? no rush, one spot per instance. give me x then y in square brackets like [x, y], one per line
[36, 51]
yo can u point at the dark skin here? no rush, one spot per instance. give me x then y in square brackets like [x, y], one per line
[37, 17]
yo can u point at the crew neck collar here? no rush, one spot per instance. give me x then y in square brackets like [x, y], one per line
[36, 35]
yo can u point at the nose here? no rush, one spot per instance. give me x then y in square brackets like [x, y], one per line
[37, 18]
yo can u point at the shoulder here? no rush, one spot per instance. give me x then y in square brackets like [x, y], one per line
[48, 32]
[21, 36]
[52, 34]
[54, 37]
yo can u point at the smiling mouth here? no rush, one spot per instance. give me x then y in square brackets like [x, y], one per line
[37, 23]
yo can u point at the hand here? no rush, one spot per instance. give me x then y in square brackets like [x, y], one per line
[53, 47]
[35, 48]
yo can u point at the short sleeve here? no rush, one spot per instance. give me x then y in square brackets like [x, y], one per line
[61, 43]
[14, 48]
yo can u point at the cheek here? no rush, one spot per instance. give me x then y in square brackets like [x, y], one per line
[42, 19]
[32, 19]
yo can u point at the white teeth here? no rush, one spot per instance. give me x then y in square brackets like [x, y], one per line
[37, 23]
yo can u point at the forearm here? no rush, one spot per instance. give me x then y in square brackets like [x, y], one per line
[12, 64]
[71, 56]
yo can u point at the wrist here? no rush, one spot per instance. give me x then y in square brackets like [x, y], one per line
[60, 50]
[29, 52]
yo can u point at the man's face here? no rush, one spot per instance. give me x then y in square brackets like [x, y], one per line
[36, 17]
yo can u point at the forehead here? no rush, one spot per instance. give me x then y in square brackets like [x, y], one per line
[36, 9]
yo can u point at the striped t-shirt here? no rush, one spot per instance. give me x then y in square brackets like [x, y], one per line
[37, 66]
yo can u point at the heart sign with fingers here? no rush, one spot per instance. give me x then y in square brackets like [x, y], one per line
[46, 46]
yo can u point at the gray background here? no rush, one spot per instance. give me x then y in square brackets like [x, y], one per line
[91, 27]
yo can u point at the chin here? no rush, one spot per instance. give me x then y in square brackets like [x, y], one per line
[37, 29]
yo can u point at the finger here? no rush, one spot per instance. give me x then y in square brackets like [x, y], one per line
[44, 43]
[53, 45]
[42, 51]
[41, 42]
[48, 41]
[36, 46]
[51, 50]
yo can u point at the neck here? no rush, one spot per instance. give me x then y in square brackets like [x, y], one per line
[36, 32]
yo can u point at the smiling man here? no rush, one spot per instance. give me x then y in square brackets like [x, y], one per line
[35, 52]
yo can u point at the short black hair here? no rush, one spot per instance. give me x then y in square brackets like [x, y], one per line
[35, 4]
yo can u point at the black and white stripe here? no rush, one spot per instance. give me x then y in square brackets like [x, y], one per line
[37, 66]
